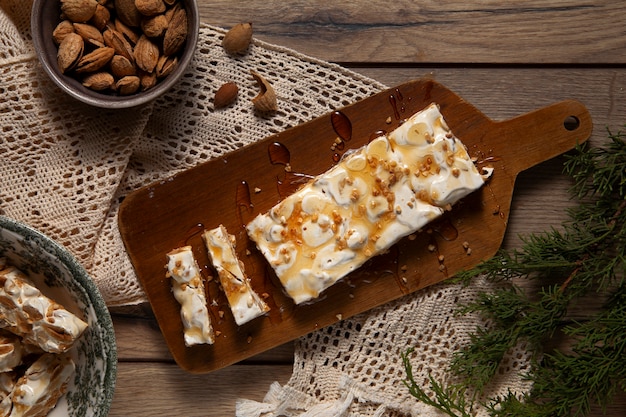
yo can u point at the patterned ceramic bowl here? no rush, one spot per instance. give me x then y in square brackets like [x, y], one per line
[59, 276]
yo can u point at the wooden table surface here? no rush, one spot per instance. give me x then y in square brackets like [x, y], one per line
[505, 57]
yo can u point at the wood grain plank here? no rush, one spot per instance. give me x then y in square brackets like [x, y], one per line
[139, 339]
[453, 31]
[164, 390]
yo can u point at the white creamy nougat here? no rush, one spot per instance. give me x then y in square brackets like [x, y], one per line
[244, 302]
[11, 351]
[7, 383]
[39, 389]
[359, 208]
[188, 289]
[37, 319]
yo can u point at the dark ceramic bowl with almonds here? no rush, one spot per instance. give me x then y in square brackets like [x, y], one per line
[115, 53]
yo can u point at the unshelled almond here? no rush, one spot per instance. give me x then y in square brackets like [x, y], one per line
[99, 81]
[64, 28]
[128, 85]
[225, 95]
[147, 80]
[146, 54]
[176, 32]
[70, 52]
[78, 11]
[95, 60]
[166, 65]
[101, 17]
[117, 41]
[90, 34]
[127, 12]
[154, 26]
[121, 66]
[237, 40]
[150, 7]
[131, 35]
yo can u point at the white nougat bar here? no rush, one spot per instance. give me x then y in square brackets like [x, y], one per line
[188, 289]
[244, 302]
[373, 197]
[37, 319]
[41, 386]
[11, 351]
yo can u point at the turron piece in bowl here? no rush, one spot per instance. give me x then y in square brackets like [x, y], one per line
[76, 376]
[373, 197]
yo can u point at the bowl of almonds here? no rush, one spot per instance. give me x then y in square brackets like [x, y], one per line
[115, 53]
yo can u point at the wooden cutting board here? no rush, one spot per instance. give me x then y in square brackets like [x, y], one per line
[233, 189]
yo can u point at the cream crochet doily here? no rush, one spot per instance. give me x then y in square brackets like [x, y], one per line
[66, 167]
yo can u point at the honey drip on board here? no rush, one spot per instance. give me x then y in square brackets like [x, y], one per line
[279, 154]
[396, 100]
[243, 201]
[341, 125]
[193, 231]
[446, 230]
[291, 181]
[343, 128]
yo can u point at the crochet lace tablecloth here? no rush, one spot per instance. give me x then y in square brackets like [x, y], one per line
[66, 167]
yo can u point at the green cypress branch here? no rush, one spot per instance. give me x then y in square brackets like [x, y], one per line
[585, 256]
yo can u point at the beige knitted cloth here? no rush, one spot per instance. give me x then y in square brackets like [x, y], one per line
[65, 167]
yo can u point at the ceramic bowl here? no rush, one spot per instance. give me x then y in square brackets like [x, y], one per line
[59, 276]
[45, 16]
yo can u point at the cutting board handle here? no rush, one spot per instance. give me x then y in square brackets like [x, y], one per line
[543, 134]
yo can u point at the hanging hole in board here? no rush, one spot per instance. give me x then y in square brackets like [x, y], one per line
[571, 123]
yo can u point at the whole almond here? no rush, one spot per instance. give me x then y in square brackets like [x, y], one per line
[165, 66]
[121, 66]
[146, 54]
[176, 33]
[95, 60]
[129, 33]
[127, 12]
[78, 11]
[150, 7]
[101, 17]
[89, 33]
[64, 28]
[99, 81]
[128, 85]
[155, 26]
[147, 80]
[266, 100]
[70, 52]
[117, 41]
[225, 95]
[237, 40]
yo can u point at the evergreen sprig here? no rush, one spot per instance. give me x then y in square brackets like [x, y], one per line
[584, 257]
